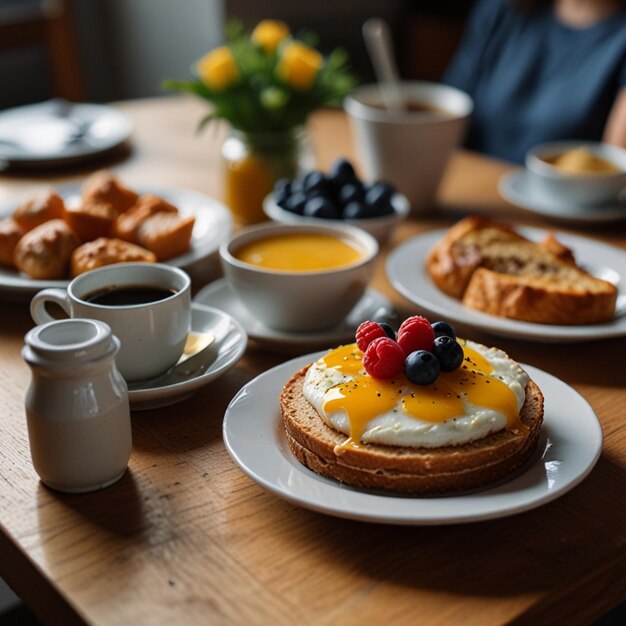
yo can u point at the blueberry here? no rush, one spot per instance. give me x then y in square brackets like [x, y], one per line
[444, 329]
[379, 194]
[321, 206]
[388, 330]
[342, 171]
[449, 353]
[350, 193]
[356, 210]
[282, 185]
[378, 198]
[317, 182]
[421, 367]
[295, 203]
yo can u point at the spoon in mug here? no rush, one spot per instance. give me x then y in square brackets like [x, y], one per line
[378, 43]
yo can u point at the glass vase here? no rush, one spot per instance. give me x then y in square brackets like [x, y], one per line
[255, 161]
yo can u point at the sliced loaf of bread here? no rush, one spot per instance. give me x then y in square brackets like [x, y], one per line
[496, 270]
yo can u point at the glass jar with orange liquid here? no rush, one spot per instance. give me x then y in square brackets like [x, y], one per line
[255, 161]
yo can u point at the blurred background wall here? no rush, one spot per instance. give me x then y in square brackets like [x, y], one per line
[105, 50]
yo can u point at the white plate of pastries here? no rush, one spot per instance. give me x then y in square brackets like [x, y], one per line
[53, 234]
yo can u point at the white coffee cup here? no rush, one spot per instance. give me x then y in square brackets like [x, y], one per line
[409, 148]
[152, 334]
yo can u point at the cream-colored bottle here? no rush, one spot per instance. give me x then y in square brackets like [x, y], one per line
[76, 406]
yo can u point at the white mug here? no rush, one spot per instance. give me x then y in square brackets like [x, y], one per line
[152, 334]
[409, 149]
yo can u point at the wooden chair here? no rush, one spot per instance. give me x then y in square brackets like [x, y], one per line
[49, 24]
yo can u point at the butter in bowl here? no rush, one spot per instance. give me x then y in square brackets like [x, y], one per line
[582, 173]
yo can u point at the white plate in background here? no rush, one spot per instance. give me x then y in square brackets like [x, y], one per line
[57, 132]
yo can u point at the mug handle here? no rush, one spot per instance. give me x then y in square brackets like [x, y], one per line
[38, 304]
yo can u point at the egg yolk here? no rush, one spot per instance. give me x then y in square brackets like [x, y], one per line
[365, 397]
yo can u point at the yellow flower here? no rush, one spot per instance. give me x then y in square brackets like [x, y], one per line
[218, 69]
[299, 65]
[269, 33]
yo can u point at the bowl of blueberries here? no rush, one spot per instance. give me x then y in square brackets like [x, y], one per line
[339, 195]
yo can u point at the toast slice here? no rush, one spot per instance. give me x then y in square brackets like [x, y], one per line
[496, 270]
[411, 470]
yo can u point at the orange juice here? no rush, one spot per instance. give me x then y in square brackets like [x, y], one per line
[300, 252]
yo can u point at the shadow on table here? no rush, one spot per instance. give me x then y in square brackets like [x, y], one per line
[545, 550]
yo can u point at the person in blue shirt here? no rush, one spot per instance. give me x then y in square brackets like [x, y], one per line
[543, 71]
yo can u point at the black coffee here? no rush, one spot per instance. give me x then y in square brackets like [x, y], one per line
[128, 295]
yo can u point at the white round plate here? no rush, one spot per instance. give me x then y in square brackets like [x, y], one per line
[39, 134]
[213, 226]
[406, 270]
[373, 305]
[568, 448]
[228, 347]
[516, 187]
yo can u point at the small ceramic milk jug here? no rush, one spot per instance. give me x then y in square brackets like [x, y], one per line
[77, 405]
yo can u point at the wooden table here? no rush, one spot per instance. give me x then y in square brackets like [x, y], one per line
[186, 538]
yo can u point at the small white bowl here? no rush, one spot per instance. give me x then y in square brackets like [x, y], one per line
[580, 189]
[379, 227]
[299, 301]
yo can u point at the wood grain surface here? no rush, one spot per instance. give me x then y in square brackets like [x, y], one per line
[186, 538]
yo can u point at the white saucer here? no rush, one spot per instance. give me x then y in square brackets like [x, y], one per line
[516, 187]
[568, 449]
[39, 134]
[230, 344]
[373, 305]
[406, 270]
[213, 226]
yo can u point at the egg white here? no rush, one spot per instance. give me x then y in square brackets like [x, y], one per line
[396, 428]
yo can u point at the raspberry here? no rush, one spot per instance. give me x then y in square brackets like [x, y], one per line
[384, 358]
[416, 333]
[367, 332]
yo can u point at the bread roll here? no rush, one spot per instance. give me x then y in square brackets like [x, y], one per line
[104, 251]
[103, 187]
[10, 234]
[91, 220]
[42, 207]
[166, 234]
[127, 225]
[44, 253]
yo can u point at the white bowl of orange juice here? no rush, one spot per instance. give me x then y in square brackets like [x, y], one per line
[299, 278]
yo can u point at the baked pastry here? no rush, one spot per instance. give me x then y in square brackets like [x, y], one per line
[91, 220]
[127, 224]
[10, 233]
[494, 269]
[42, 207]
[105, 251]
[470, 427]
[166, 234]
[104, 187]
[44, 252]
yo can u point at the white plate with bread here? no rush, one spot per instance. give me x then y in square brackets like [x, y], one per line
[212, 224]
[567, 451]
[520, 283]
